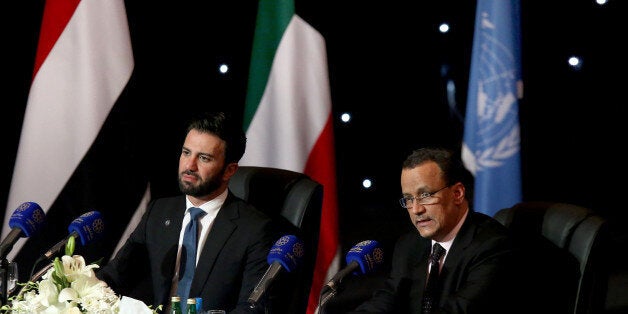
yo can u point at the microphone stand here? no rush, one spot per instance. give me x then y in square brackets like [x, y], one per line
[4, 281]
[35, 277]
[327, 293]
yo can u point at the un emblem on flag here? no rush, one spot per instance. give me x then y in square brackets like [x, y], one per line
[495, 110]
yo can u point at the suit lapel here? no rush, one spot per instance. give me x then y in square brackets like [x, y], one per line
[221, 231]
[174, 218]
[463, 239]
[170, 221]
[418, 275]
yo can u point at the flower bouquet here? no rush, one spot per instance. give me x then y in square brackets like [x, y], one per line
[68, 286]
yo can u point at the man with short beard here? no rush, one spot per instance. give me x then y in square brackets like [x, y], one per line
[233, 241]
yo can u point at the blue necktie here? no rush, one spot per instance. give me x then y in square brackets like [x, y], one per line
[188, 256]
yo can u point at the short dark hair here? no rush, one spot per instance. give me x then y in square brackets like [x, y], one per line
[224, 126]
[450, 164]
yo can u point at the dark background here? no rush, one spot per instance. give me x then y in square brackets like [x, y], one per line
[388, 67]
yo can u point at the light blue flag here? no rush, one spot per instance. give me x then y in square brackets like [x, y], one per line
[491, 148]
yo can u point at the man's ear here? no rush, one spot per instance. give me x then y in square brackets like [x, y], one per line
[459, 192]
[230, 170]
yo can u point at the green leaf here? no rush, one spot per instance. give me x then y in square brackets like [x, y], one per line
[58, 276]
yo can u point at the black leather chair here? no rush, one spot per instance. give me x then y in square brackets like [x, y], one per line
[294, 200]
[567, 251]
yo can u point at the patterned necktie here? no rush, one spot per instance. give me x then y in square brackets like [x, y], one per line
[188, 256]
[430, 296]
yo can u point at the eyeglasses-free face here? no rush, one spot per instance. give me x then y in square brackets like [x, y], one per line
[426, 198]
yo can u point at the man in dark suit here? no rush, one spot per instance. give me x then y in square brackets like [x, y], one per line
[234, 238]
[478, 270]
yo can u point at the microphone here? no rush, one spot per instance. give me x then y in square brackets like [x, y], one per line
[364, 257]
[285, 254]
[25, 221]
[87, 227]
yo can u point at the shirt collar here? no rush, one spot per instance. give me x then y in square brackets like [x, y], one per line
[211, 206]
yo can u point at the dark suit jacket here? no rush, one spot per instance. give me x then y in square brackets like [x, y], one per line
[231, 263]
[479, 274]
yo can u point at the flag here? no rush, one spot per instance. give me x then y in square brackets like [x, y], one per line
[83, 62]
[491, 145]
[288, 117]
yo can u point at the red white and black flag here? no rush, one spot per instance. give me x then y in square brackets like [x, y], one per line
[75, 153]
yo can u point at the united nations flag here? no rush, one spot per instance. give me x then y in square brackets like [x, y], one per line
[491, 148]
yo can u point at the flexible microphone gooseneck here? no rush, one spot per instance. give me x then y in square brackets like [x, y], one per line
[25, 221]
[363, 258]
[88, 227]
[287, 254]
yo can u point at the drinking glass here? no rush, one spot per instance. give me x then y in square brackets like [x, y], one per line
[11, 277]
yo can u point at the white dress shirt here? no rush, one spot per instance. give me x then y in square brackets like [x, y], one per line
[211, 209]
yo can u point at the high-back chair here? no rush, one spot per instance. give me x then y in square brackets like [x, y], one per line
[567, 246]
[294, 200]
